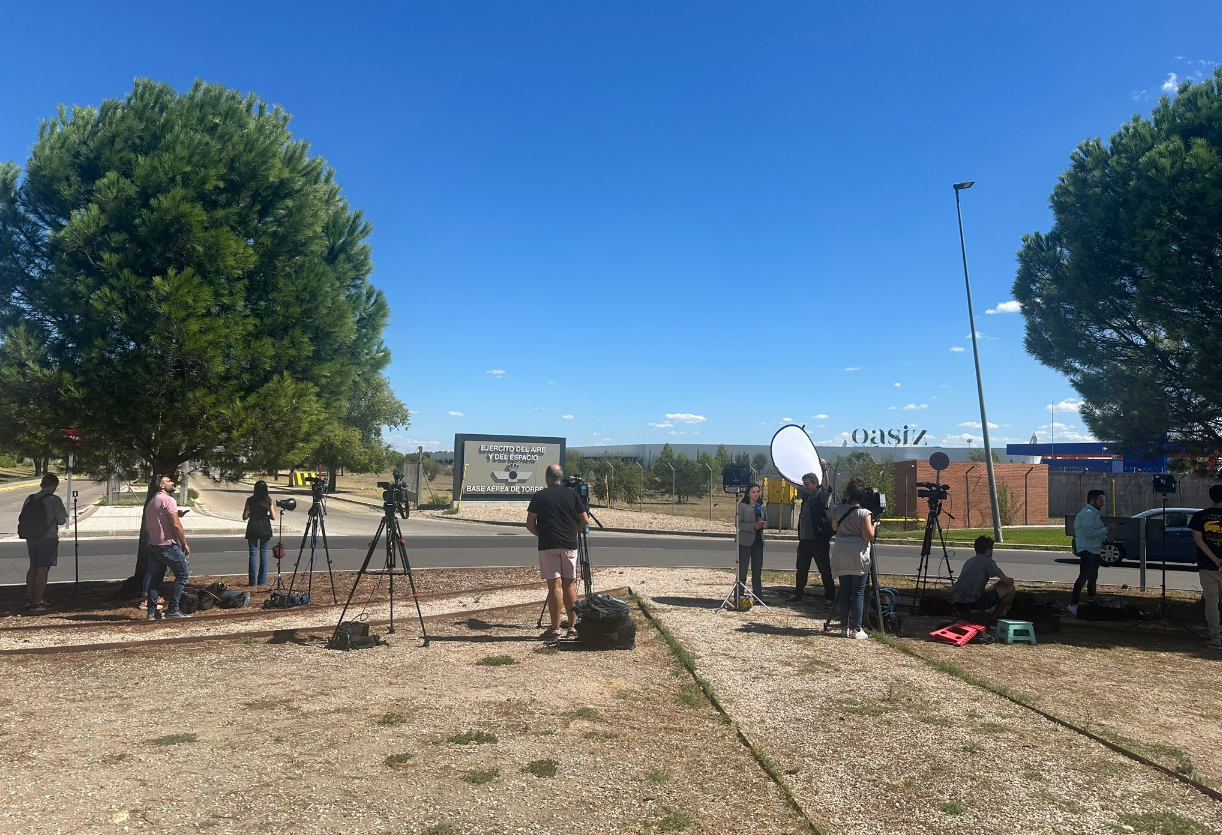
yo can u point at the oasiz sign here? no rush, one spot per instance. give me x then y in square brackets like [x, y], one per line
[890, 437]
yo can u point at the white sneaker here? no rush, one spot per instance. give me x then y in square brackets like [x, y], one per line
[861, 635]
[844, 633]
[1072, 608]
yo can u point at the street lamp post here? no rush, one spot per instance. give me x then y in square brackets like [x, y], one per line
[984, 420]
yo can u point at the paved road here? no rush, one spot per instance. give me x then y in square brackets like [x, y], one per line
[11, 498]
[438, 544]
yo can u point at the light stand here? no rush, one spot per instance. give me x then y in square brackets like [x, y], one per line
[739, 590]
[1165, 484]
[77, 586]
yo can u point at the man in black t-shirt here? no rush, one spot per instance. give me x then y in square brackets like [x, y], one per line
[1207, 534]
[556, 515]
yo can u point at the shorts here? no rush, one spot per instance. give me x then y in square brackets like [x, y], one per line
[986, 601]
[558, 562]
[44, 552]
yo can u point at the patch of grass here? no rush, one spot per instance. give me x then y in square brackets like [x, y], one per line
[956, 671]
[248, 639]
[690, 695]
[937, 721]
[278, 739]
[600, 735]
[548, 732]
[1164, 823]
[657, 776]
[479, 776]
[442, 828]
[208, 824]
[472, 738]
[991, 728]
[1033, 776]
[972, 748]
[816, 665]
[1108, 768]
[111, 759]
[450, 511]
[392, 719]
[1052, 536]
[1175, 758]
[860, 709]
[543, 768]
[1062, 803]
[589, 714]
[952, 807]
[176, 739]
[496, 661]
[397, 760]
[938, 770]
[672, 820]
[545, 650]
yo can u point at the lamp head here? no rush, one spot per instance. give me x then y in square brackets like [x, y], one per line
[963, 185]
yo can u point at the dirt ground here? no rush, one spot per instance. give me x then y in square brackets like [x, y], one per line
[277, 734]
[483, 731]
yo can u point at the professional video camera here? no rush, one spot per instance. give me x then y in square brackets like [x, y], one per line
[578, 484]
[874, 501]
[318, 486]
[287, 504]
[394, 495]
[933, 491]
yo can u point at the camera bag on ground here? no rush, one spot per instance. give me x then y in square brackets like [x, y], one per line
[353, 634]
[188, 604]
[32, 522]
[604, 622]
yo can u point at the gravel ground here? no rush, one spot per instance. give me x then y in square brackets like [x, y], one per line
[874, 741]
[289, 737]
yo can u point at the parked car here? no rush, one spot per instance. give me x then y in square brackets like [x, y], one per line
[1180, 545]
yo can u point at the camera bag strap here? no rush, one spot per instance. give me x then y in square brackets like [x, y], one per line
[840, 521]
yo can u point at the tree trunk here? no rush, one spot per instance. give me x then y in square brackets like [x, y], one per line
[331, 478]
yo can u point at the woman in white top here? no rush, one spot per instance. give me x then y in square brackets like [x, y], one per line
[854, 527]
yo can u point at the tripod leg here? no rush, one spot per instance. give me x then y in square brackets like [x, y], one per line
[305, 534]
[407, 569]
[359, 574]
[322, 524]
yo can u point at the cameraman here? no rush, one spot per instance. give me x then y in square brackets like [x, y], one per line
[854, 527]
[556, 515]
[815, 536]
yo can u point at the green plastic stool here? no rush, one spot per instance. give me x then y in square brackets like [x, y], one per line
[1012, 631]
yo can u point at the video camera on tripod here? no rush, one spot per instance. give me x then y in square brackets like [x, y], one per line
[318, 486]
[394, 495]
[577, 484]
[933, 491]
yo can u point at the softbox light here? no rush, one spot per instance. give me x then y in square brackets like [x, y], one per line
[794, 454]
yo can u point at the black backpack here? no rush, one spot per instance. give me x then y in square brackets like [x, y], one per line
[604, 622]
[33, 522]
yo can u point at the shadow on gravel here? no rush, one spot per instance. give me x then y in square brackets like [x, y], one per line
[757, 628]
[689, 602]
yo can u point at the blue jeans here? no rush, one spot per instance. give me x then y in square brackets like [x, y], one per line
[162, 557]
[257, 571]
[752, 554]
[852, 597]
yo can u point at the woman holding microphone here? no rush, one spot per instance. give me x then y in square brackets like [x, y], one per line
[854, 527]
[751, 522]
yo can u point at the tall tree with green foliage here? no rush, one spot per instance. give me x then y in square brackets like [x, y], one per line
[192, 281]
[1124, 294]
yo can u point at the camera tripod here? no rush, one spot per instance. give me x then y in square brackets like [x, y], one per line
[932, 522]
[583, 567]
[77, 586]
[396, 549]
[1162, 610]
[314, 525]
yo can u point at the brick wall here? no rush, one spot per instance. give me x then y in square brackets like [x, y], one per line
[968, 502]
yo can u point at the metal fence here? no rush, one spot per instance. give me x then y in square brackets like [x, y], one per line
[1127, 493]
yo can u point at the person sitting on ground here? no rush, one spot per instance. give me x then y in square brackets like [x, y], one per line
[970, 590]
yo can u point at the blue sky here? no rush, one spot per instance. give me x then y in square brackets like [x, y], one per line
[680, 222]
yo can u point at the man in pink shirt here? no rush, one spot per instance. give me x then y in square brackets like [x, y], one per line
[167, 548]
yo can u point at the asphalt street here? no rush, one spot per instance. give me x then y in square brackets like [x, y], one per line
[11, 497]
[438, 544]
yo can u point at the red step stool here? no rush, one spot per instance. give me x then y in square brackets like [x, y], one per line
[958, 633]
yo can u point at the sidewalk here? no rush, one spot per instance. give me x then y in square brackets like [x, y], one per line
[120, 521]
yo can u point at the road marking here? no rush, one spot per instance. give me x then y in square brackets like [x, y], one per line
[23, 485]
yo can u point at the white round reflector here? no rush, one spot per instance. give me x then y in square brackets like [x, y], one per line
[794, 454]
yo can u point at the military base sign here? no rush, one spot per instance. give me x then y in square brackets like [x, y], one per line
[503, 467]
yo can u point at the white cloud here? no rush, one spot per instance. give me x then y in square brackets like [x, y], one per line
[673, 432]
[593, 434]
[685, 417]
[892, 408]
[456, 414]
[820, 417]
[1171, 83]
[961, 440]
[835, 440]
[1068, 405]
[496, 372]
[666, 424]
[1011, 306]
[401, 443]
[957, 349]
[567, 417]
[913, 406]
[975, 424]
[897, 385]
[945, 386]
[854, 368]
[786, 420]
